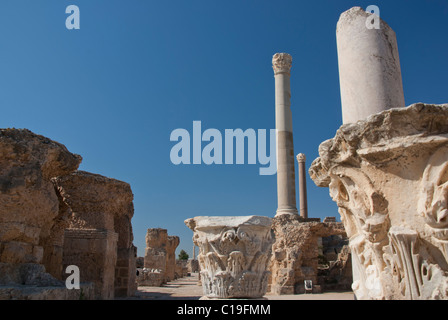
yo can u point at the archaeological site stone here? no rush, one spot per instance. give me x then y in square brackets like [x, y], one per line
[302, 186]
[369, 66]
[233, 255]
[295, 251]
[172, 243]
[388, 175]
[98, 238]
[286, 183]
[30, 238]
[160, 258]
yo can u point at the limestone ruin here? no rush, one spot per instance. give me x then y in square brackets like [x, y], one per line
[160, 259]
[46, 217]
[295, 253]
[98, 238]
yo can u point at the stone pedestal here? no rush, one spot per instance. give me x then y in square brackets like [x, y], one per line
[233, 255]
[369, 66]
[388, 175]
[286, 183]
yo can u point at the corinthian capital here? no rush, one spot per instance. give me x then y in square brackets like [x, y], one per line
[301, 157]
[281, 62]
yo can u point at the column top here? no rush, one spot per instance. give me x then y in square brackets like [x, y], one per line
[281, 63]
[301, 157]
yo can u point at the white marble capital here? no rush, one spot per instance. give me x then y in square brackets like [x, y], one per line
[234, 252]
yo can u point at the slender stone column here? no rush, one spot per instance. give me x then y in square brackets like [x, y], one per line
[286, 189]
[369, 66]
[302, 185]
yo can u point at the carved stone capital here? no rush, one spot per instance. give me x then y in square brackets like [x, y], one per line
[281, 63]
[301, 157]
[388, 175]
[233, 255]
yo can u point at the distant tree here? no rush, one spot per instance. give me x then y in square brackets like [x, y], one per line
[183, 255]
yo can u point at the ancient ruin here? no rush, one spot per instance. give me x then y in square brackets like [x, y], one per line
[388, 175]
[160, 259]
[98, 238]
[295, 252]
[48, 222]
[302, 186]
[369, 66]
[233, 255]
[286, 183]
[387, 172]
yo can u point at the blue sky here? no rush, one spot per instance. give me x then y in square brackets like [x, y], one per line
[115, 89]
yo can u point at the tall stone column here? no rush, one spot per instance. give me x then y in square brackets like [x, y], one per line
[286, 189]
[302, 185]
[369, 66]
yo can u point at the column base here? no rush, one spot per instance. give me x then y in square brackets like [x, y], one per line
[286, 211]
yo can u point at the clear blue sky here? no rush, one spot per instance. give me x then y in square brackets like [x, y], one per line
[114, 90]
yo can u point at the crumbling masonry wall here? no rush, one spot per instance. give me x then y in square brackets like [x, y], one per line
[160, 259]
[31, 228]
[52, 216]
[99, 235]
[295, 251]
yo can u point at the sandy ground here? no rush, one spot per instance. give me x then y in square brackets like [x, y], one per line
[187, 289]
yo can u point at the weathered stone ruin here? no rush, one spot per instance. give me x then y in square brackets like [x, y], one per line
[233, 255]
[386, 168]
[98, 238]
[160, 259]
[295, 252]
[37, 218]
[182, 269]
[388, 175]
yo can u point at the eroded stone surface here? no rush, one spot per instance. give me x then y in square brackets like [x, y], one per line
[295, 251]
[160, 258]
[29, 210]
[28, 201]
[388, 175]
[98, 238]
[234, 254]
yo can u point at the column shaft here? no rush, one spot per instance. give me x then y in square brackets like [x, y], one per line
[302, 186]
[369, 66]
[286, 190]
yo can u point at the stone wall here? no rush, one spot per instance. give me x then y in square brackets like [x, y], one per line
[181, 268]
[46, 223]
[99, 235]
[160, 259]
[296, 250]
